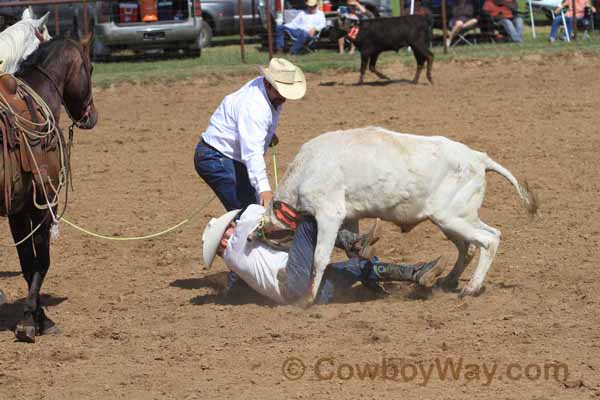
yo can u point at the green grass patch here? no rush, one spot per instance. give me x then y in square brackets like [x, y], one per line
[226, 60]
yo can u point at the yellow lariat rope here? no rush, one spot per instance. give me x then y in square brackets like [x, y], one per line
[143, 237]
[274, 153]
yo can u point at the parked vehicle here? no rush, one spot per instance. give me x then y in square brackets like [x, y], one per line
[175, 25]
[223, 16]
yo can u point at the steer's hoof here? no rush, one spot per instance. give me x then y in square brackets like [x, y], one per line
[447, 285]
[25, 332]
[471, 292]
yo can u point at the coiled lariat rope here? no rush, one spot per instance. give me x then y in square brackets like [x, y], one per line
[41, 130]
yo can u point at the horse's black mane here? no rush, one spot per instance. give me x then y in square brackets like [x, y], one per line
[41, 54]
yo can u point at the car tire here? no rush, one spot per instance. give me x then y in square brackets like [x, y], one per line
[205, 36]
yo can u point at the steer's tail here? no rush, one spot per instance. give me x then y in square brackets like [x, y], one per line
[528, 197]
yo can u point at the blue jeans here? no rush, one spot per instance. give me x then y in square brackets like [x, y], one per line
[300, 37]
[338, 276]
[514, 28]
[226, 177]
[557, 22]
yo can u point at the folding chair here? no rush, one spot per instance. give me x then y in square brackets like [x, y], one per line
[310, 46]
[461, 37]
[551, 5]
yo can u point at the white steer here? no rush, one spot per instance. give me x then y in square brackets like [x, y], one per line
[372, 172]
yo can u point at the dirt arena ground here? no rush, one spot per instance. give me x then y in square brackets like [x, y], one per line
[143, 320]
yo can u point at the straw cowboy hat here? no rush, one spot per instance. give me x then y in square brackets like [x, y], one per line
[286, 78]
[212, 236]
[352, 2]
[311, 3]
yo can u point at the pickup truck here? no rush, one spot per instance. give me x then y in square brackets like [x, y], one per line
[176, 26]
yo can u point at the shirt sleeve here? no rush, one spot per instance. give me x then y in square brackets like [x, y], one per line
[297, 22]
[320, 23]
[253, 128]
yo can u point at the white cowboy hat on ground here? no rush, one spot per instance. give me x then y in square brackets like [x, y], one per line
[285, 77]
[212, 236]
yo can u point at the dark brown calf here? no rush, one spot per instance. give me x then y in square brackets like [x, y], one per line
[382, 34]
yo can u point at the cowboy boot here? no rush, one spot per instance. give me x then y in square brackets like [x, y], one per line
[424, 274]
[356, 245]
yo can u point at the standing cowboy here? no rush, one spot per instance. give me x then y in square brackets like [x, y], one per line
[230, 155]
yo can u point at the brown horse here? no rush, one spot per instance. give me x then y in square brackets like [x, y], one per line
[60, 72]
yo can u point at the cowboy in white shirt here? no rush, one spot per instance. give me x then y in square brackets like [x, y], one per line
[230, 155]
[304, 26]
[284, 277]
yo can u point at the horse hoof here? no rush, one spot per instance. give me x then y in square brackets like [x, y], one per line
[49, 328]
[25, 333]
[46, 326]
[52, 330]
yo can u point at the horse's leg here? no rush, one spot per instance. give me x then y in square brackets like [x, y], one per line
[20, 226]
[34, 256]
[41, 241]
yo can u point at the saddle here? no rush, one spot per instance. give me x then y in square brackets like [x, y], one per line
[25, 157]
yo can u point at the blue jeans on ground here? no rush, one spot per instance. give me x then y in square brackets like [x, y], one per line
[229, 180]
[557, 22]
[514, 28]
[339, 276]
[300, 37]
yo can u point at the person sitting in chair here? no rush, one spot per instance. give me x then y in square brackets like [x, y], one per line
[580, 6]
[304, 26]
[462, 19]
[505, 13]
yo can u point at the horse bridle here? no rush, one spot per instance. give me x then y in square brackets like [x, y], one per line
[88, 101]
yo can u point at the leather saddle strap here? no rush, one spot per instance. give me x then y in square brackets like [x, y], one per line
[7, 163]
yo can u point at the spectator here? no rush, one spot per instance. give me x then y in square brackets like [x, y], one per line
[505, 13]
[580, 6]
[462, 19]
[304, 26]
[353, 12]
